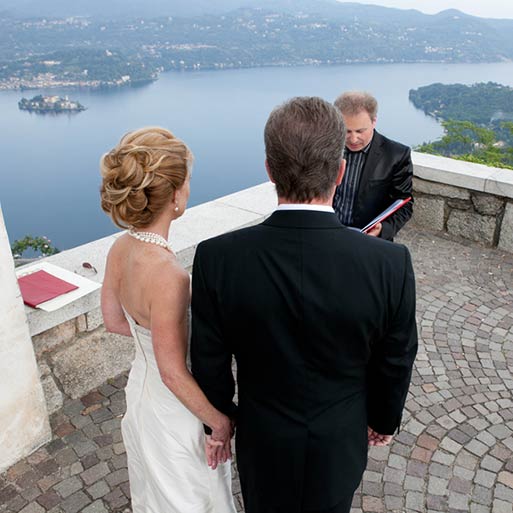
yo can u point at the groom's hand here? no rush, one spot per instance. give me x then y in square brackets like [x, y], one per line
[377, 439]
[222, 430]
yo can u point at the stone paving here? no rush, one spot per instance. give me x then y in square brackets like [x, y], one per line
[454, 453]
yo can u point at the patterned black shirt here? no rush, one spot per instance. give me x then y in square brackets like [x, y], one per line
[346, 192]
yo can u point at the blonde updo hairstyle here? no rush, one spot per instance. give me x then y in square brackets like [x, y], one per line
[141, 174]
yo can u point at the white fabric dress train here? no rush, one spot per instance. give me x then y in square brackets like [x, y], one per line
[164, 441]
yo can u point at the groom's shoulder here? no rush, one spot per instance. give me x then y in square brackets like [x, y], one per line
[232, 238]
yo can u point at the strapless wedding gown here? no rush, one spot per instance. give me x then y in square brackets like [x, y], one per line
[164, 441]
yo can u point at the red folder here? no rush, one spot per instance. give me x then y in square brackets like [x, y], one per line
[40, 286]
[396, 205]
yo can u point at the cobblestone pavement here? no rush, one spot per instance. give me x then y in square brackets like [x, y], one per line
[455, 450]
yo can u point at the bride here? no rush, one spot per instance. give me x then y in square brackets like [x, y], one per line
[146, 294]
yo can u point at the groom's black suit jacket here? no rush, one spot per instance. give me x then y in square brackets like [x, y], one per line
[321, 320]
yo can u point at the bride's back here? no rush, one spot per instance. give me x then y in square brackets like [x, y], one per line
[139, 268]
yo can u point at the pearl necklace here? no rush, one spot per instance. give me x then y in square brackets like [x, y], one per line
[152, 238]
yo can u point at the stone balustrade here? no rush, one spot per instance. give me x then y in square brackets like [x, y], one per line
[465, 200]
[75, 354]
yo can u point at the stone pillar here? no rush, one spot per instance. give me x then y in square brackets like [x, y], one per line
[24, 424]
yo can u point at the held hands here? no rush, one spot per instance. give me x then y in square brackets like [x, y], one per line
[217, 452]
[217, 445]
[375, 230]
[377, 439]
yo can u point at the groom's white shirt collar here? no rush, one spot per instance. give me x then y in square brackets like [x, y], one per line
[304, 206]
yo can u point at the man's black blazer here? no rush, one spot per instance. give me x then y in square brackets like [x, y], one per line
[387, 176]
[321, 320]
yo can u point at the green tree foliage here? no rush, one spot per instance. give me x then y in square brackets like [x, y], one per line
[476, 121]
[465, 140]
[483, 103]
[42, 246]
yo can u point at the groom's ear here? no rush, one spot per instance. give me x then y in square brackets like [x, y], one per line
[268, 171]
[341, 172]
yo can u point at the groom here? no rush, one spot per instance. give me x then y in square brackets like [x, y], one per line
[321, 320]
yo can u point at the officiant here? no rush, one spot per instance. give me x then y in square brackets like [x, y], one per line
[379, 171]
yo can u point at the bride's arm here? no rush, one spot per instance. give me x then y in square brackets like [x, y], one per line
[169, 328]
[113, 317]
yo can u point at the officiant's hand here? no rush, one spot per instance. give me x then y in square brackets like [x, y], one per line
[378, 439]
[376, 230]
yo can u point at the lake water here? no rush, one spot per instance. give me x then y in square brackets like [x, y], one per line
[49, 164]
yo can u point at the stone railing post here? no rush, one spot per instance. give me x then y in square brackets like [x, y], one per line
[24, 424]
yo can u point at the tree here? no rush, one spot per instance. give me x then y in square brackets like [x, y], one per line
[465, 140]
[41, 245]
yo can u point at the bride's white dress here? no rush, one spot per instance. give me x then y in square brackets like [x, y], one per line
[164, 442]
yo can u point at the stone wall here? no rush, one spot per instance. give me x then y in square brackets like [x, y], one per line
[476, 216]
[478, 209]
[78, 356]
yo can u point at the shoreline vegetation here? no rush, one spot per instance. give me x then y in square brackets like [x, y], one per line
[45, 82]
[53, 82]
[477, 121]
[50, 104]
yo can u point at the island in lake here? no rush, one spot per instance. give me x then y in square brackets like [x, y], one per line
[477, 121]
[50, 104]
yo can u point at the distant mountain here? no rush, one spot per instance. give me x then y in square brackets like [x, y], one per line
[150, 8]
[185, 8]
[77, 42]
[119, 8]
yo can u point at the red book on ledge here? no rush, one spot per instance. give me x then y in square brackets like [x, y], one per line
[40, 286]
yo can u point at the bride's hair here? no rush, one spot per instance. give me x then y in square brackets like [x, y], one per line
[141, 174]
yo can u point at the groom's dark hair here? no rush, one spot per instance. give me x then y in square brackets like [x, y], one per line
[304, 144]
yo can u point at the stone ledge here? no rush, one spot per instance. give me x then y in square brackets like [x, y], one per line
[429, 213]
[439, 189]
[467, 175]
[90, 361]
[506, 237]
[228, 213]
[472, 226]
[501, 183]
[54, 337]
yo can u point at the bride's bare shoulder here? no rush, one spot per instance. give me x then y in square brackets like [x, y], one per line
[119, 247]
[163, 266]
[168, 284]
[154, 264]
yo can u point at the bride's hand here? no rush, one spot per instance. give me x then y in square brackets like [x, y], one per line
[212, 450]
[216, 451]
[218, 443]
